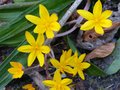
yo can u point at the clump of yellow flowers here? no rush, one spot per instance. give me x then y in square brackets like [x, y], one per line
[96, 20]
[68, 63]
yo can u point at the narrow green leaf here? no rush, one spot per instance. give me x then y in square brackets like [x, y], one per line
[72, 45]
[115, 56]
[93, 70]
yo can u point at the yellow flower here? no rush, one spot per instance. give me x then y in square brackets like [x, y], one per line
[79, 65]
[36, 48]
[64, 62]
[16, 70]
[45, 23]
[28, 87]
[96, 20]
[57, 83]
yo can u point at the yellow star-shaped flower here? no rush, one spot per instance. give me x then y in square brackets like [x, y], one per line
[36, 48]
[63, 65]
[28, 87]
[45, 23]
[57, 83]
[96, 20]
[79, 65]
[16, 70]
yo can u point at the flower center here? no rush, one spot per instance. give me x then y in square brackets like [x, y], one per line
[97, 20]
[37, 48]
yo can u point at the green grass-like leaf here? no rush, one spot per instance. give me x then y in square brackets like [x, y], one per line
[115, 65]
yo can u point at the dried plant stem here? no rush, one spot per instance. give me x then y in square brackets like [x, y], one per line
[78, 21]
[52, 54]
[46, 67]
[69, 12]
[37, 78]
[34, 68]
[71, 22]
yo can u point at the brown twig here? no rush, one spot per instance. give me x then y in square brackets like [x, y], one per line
[37, 78]
[78, 21]
[34, 68]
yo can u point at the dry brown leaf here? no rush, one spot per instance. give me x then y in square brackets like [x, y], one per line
[91, 35]
[101, 51]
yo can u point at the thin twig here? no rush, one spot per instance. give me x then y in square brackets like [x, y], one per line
[52, 53]
[34, 68]
[69, 12]
[46, 67]
[37, 78]
[78, 21]
[71, 22]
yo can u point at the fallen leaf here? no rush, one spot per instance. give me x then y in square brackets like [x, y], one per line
[91, 35]
[101, 52]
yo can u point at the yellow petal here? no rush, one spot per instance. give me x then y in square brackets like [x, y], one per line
[106, 14]
[39, 29]
[85, 14]
[74, 71]
[99, 30]
[55, 63]
[62, 58]
[25, 48]
[30, 38]
[97, 10]
[68, 69]
[49, 34]
[54, 17]
[87, 25]
[69, 53]
[80, 73]
[40, 39]
[40, 57]
[55, 26]
[33, 19]
[31, 58]
[106, 23]
[52, 88]
[57, 76]
[16, 65]
[85, 65]
[19, 75]
[12, 70]
[81, 57]
[70, 61]
[28, 87]
[66, 81]
[49, 83]
[45, 49]
[66, 88]
[43, 12]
